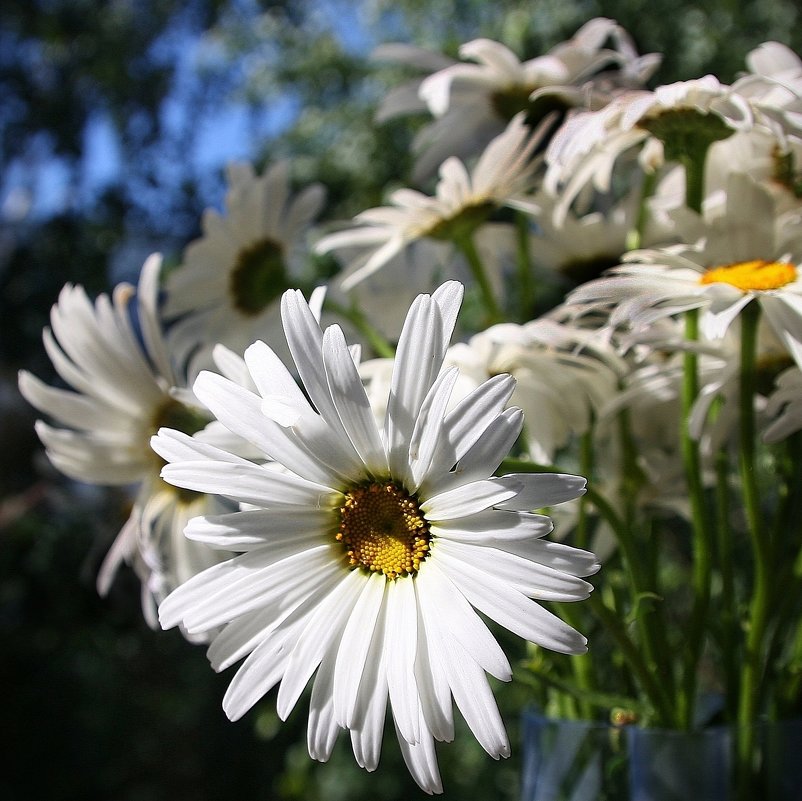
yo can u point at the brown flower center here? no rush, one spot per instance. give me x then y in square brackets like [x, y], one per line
[383, 530]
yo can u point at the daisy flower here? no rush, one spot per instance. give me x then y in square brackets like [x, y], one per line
[563, 377]
[747, 254]
[673, 123]
[228, 288]
[368, 554]
[123, 390]
[473, 100]
[462, 201]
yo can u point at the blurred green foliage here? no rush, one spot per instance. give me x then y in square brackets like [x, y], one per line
[98, 706]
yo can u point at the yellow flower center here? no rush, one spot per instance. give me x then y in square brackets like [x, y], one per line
[752, 276]
[383, 530]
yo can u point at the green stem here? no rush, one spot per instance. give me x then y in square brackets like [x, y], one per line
[700, 526]
[753, 662]
[635, 237]
[536, 674]
[526, 283]
[653, 689]
[642, 668]
[468, 249]
[728, 614]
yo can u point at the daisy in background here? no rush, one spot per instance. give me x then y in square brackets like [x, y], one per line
[748, 253]
[563, 377]
[463, 200]
[674, 123]
[367, 556]
[473, 102]
[228, 287]
[123, 389]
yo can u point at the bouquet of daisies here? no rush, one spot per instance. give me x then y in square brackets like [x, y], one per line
[348, 484]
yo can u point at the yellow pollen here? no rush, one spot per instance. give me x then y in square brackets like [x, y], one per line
[383, 530]
[752, 276]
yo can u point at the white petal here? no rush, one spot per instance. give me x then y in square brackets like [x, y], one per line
[469, 499]
[354, 647]
[249, 483]
[542, 489]
[402, 636]
[437, 592]
[513, 610]
[322, 729]
[351, 401]
[323, 629]
[530, 578]
[421, 760]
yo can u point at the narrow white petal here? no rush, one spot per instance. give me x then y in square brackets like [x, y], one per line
[435, 694]
[351, 401]
[513, 610]
[371, 708]
[321, 633]
[354, 646]
[470, 417]
[542, 489]
[244, 531]
[322, 728]
[426, 436]
[437, 592]
[260, 671]
[249, 483]
[421, 760]
[468, 499]
[532, 579]
[494, 524]
[402, 637]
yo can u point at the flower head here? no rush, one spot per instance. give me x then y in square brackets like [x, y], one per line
[228, 288]
[748, 253]
[123, 390]
[463, 200]
[366, 552]
[473, 100]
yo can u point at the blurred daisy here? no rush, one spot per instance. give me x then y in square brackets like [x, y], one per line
[227, 290]
[749, 253]
[463, 200]
[367, 556]
[667, 124]
[473, 102]
[563, 374]
[123, 390]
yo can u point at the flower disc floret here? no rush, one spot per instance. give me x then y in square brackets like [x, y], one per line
[259, 276]
[757, 275]
[383, 530]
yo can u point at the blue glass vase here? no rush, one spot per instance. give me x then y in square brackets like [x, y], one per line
[575, 760]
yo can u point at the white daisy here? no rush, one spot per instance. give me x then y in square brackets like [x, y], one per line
[473, 102]
[123, 390]
[748, 253]
[667, 124]
[463, 201]
[227, 290]
[367, 557]
[563, 374]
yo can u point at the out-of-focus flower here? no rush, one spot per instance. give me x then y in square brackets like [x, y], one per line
[463, 201]
[473, 102]
[748, 253]
[228, 288]
[123, 390]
